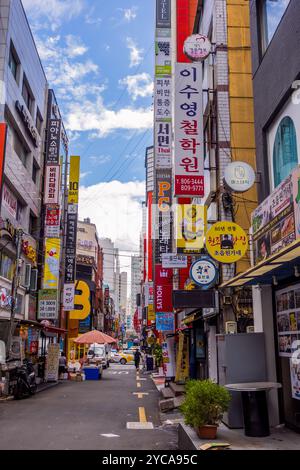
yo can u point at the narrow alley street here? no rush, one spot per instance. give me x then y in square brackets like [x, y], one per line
[83, 415]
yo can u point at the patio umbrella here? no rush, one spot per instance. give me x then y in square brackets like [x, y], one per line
[95, 336]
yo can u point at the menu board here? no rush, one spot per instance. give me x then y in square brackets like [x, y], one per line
[288, 319]
[52, 363]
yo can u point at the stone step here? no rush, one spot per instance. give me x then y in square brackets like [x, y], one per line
[178, 401]
[167, 392]
[177, 389]
[166, 405]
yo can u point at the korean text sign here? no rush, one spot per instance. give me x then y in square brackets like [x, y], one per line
[52, 184]
[191, 227]
[189, 154]
[52, 260]
[226, 242]
[74, 180]
[53, 142]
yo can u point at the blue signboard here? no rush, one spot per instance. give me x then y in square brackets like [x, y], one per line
[165, 322]
[84, 325]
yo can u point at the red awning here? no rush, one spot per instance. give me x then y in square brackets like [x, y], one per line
[55, 329]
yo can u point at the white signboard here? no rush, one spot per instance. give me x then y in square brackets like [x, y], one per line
[149, 293]
[9, 201]
[170, 260]
[197, 47]
[163, 56]
[52, 183]
[189, 159]
[239, 176]
[203, 272]
[69, 294]
[52, 363]
[163, 143]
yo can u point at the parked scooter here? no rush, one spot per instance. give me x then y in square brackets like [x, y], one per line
[26, 384]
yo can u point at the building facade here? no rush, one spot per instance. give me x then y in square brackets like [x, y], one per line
[23, 109]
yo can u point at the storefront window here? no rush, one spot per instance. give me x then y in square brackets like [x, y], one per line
[6, 267]
[273, 11]
[285, 154]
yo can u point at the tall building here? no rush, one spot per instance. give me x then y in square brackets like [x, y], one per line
[23, 107]
[135, 281]
[110, 265]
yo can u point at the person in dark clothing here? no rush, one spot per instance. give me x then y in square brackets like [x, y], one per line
[137, 358]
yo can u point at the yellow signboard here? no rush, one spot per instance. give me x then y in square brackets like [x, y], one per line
[82, 301]
[151, 313]
[74, 180]
[52, 261]
[182, 359]
[226, 242]
[191, 227]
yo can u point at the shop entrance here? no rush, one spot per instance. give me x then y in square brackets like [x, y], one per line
[287, 308]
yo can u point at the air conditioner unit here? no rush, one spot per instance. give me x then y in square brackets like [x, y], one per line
[27, 276]
[33, 280]
[231, 327]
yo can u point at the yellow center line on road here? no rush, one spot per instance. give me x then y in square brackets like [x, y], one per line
[138, 385]
[142, 414]
[140, 394]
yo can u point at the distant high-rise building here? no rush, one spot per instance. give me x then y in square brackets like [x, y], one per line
[135, 281]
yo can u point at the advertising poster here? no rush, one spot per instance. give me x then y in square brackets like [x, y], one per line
[3, 133]
[52, 261]
[191, 222]
[52, 363]
[74, 180]
[188, 131]
[53, 142]
[226, 242]
[165, 322]
[52, 184]
[47, 304]
[273, 222]
[288, 320]
[52, 221]
[168, 352]
[69, 295]
[295, 379]
[296, 199]
[150, 313]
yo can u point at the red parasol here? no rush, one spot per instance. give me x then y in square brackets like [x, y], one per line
[95, 336]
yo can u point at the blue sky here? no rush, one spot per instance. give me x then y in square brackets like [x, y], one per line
[98, 56]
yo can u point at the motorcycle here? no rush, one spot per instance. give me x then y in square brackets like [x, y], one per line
[26, 384]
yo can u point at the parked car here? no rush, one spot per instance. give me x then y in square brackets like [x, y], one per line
[122, 357]
[99, 354]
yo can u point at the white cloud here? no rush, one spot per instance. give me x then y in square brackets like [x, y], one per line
[75, 46]
[118, 215]
[55, 11]
[94, 116]
[129, 14]
[135, 53]
[138, 85]
[84, 174]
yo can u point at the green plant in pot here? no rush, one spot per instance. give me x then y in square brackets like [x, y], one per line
[204, 406]
[157, 353]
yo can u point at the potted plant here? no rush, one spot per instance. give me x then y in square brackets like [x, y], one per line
[204, 405]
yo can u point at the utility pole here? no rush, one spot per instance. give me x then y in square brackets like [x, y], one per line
[14, 289]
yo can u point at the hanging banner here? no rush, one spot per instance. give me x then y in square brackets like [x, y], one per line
[52, 221]
[3, 135]
[189, 152]
[74, 180]
[52, 261]
[182, 359]
[52, 184]
[53, 142]
[163, 143]
[150, 314]
[168, 352]
[191, 224]
[70, 266]
[69, 295]
[226, 242]
[47, 304]
[163, 289]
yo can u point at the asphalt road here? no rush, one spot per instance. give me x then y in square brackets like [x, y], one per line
[75, 415]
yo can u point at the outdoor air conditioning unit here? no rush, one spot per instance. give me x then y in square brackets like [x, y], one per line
[27, 276]
[33, 280]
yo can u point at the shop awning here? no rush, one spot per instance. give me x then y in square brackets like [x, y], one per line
[280, 266]
[31, 323]
[54, 329]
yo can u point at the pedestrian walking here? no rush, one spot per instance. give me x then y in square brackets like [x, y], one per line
[62, 363]
[137, 358]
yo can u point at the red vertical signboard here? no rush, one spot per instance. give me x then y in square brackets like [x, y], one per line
[3, 131]
[163, 289]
